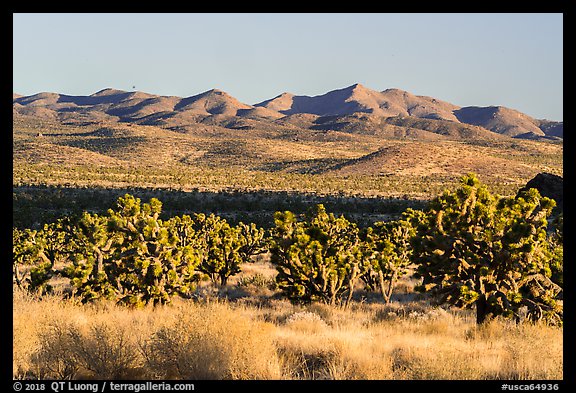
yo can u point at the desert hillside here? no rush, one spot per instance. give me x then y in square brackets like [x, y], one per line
[216, 107]
[372, 152]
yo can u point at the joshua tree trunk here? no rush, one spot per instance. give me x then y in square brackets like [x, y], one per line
[481, 309]
[386, 290]
[17, 276]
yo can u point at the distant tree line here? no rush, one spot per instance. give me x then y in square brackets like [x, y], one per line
[469, 248]
[33, 206]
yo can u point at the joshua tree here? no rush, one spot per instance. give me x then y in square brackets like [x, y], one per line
[319, 258]
[474, 249]
[387, 247]
[40, 250]
[131, 255]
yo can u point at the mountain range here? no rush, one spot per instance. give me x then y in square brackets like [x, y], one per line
[354, 109]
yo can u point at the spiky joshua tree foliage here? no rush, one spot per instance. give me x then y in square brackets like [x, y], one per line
[470, 248]
[132, 256]
[477, 250]
[37, 252]
[224, 247]
[387, 247]
[318, 258]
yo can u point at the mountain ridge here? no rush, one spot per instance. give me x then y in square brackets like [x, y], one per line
[220, 108]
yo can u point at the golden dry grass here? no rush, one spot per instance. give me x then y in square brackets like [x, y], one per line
[268, 338]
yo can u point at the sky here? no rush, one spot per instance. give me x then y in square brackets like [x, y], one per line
[513, 60]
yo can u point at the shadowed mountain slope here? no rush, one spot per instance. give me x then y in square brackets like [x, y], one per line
[500, 120]
[357, 98]
[355, 109]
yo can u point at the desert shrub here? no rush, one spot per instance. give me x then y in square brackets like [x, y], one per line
[60, 339]
[326, 355]
[306, 322]
[416, 364]
[205, 345]
[25, 332]
[309, 365]
[100, 351]
[257, 280]
[104, 350]
[55, 358]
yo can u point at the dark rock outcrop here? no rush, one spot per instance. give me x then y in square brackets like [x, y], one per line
[549, 185]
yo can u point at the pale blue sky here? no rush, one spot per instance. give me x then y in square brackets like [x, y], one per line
[514, 60]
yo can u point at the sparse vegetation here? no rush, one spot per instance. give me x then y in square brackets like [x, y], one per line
[219, 299]
[471, 248]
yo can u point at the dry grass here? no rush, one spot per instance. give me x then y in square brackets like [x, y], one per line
[418, 343]
[265, 338]
[62, 340]
[211, 342]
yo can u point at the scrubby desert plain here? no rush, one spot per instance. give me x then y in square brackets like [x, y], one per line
[211, 154]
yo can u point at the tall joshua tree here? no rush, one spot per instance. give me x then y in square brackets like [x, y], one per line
[477, 250]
